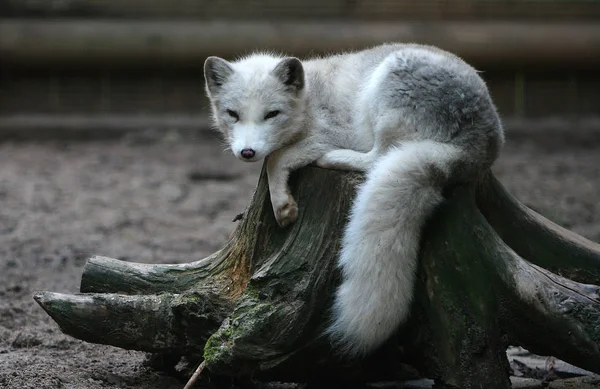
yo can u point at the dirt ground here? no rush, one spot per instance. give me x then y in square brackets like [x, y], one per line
[172, 201]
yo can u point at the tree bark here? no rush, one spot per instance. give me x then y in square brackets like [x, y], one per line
[259, 305]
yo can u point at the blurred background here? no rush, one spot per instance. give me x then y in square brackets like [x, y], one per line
[105, 147]
[119, 64]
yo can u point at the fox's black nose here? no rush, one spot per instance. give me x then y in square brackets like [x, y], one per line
[248, 153]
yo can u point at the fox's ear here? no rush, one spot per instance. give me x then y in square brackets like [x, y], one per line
[216, 72]
[290, 72]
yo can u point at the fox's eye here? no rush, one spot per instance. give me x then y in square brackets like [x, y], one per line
[233, 114]
[271, 115]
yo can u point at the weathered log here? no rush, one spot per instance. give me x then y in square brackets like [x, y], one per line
[536, 238]
[259, 306]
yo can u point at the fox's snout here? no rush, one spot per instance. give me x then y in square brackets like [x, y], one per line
[247, 154]
[250, 143]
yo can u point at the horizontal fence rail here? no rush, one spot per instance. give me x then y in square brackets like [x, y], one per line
[542, 10]
[110, 43]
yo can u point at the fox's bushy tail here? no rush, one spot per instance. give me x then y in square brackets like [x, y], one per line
[380, 246]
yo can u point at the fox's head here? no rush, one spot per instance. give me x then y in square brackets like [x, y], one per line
[257, 103]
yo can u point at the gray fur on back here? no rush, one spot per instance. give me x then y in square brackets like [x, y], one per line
[446, 100]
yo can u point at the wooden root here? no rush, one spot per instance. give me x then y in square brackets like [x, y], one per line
[536, 238]
[259, 306]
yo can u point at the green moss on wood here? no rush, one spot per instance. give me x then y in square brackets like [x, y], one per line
[259, 306]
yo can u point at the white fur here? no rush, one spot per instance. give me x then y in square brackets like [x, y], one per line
[412, 117]
[381, 243]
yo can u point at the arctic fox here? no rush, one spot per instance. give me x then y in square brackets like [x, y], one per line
[414, 118]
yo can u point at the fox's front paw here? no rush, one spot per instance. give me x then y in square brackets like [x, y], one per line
[286, 212]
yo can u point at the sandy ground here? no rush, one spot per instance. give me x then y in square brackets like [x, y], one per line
[168, 202]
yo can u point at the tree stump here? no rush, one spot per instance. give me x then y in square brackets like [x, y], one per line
[491, 275]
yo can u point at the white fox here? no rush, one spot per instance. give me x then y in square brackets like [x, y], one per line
[414, 118]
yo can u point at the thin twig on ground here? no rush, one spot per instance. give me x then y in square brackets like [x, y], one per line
[195, 376]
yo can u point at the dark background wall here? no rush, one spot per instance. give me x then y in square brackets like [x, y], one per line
[112, 57]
